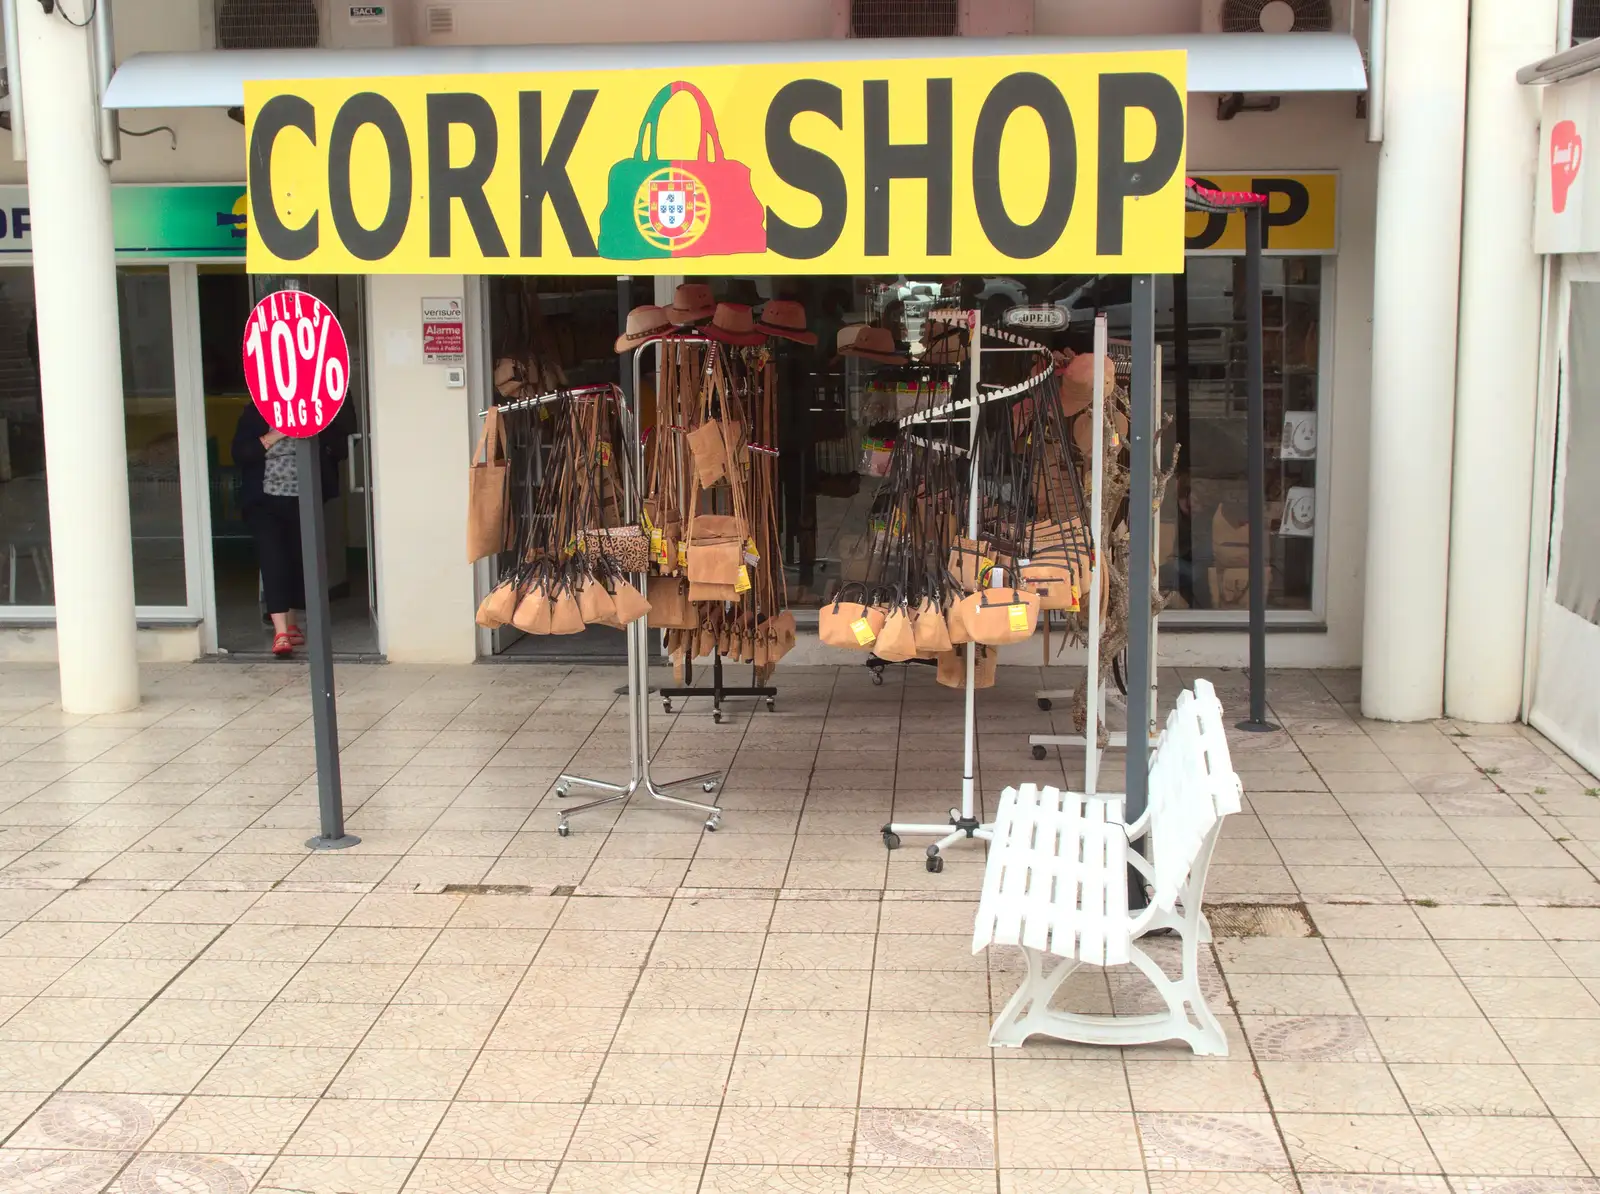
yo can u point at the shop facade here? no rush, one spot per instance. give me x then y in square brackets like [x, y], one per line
[182, 293]
[1564, 567]
[1311, 153]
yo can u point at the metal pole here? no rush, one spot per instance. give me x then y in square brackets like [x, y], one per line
[1256, 473]
[1377, 66]
[319, 649]
[1141, 519]
[105, 64]
[1183, 561]
[969, 768]
[19, 136]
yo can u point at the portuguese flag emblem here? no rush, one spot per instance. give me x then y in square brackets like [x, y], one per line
[701, 208]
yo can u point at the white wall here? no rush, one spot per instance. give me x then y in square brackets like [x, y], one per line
[1095, 18]
[564, 22]
[155, 644]
[420, 448]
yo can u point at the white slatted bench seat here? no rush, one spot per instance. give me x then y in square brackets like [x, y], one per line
[1057, 883]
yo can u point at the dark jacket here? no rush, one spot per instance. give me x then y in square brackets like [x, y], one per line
[251, 458]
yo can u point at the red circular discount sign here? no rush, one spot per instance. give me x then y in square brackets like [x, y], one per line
[296, 362]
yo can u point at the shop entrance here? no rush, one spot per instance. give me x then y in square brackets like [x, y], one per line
[226, 295]
[1568, 604]
[560, 332]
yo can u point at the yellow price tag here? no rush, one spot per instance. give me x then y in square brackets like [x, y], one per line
[658, 546]
[683, 555]
[1077, 596]
[1019, 618]
[742, 584]
[862, 629]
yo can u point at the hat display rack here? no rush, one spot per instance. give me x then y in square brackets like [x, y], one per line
[713, 502]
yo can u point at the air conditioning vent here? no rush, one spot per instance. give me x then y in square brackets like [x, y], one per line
[1585, 20]
[905, 18]
[268, 24]
[441, 20]
[1274, 16]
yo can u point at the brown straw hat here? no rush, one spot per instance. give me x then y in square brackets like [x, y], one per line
[869, 343]
[691, 303]
[733, 324]
[1077, 382]
[786, 319]
[643, 323]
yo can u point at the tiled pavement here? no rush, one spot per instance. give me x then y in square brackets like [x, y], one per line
[191, 1002]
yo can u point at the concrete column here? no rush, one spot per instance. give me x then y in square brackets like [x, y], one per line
[1497, 364]
[1418, 252]
[80, 367]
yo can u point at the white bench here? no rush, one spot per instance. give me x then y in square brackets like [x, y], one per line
[1057, 883]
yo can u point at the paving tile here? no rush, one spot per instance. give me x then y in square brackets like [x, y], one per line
[1362, 1143]
[230, 1124]
[1332, 1087]
[1503, 1146]
[781, 1000]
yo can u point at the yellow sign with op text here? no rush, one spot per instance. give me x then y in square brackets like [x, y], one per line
[1302, 215]
[1014, 164]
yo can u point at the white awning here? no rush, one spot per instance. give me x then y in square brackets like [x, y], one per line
[1582, 59]
[1260, 63]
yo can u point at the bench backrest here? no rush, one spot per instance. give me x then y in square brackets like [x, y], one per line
[1192, 786]
[1057, 878]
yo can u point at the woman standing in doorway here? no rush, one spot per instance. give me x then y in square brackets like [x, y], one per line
[269, 500]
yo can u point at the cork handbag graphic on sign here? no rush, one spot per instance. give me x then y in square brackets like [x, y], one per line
[701, 208]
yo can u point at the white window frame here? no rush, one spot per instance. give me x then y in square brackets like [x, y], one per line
[193, 481]
[1317, 616]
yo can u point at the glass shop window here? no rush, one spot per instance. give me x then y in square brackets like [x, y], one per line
[150, 415]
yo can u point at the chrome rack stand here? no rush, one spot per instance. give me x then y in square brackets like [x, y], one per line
[964, 822]
[638, 633]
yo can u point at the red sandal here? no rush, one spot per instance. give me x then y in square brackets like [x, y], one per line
[282, 646]
[297, 637]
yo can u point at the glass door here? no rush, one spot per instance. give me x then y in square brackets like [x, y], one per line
[226, 296]
[1564, 705]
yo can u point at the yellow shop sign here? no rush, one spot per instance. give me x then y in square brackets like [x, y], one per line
[1302, 214]
[1027, 163]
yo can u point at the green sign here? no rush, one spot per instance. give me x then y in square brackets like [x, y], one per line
[149, 221]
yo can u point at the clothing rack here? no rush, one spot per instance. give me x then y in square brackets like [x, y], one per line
[718, 690]
[1093, 752]
[506, 408]
[964, 822]
[638, 631]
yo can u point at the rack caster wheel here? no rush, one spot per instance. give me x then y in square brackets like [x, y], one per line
[562, 791]
[716, 716]
[712, 823]
[564, 829]
[891, 840]
[666, 706]
[1039, 753]
[772, 705]
[709, 786]
[877, 675]
[1046, 704]
[935, 862]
